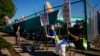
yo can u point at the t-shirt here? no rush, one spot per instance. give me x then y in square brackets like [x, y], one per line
[75, 32]
[22, 25]
[52, 33]
[15, 26]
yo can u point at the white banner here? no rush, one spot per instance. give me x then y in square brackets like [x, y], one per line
[66, 12]
[44, 19]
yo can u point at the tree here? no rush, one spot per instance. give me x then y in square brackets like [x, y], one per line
[8, 8]
[4, 44]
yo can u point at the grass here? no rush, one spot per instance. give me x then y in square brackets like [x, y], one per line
[4, 43]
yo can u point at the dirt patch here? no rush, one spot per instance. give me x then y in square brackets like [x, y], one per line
[13, 52]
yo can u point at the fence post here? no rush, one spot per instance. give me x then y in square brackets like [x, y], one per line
[85, 15]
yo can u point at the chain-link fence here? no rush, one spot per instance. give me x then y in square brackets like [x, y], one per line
[77, 13]
[92, 26]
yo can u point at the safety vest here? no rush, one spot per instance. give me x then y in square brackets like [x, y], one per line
[84, 43]
[57, 38]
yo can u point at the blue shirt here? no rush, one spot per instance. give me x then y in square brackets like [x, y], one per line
[52, 33]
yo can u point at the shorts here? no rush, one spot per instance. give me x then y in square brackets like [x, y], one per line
[17, 34]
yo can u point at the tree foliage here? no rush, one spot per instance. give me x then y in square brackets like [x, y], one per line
[8, 8]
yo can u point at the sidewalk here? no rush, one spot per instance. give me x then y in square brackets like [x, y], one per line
[19, 49]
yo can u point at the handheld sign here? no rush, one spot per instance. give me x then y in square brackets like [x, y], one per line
[66, 12]
[44, 19]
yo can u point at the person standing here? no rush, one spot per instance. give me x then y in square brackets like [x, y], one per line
[7, 20]
[22, 26]
[16, 28]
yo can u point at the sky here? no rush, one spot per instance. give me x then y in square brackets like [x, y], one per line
[28, 7]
